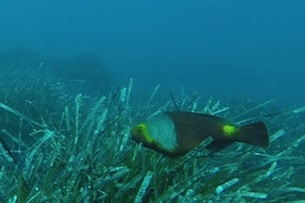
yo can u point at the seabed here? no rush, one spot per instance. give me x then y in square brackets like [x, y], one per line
[80, 152]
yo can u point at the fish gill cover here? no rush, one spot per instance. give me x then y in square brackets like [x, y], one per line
[81, 155]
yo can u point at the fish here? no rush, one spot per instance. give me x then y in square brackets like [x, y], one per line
[176, 133]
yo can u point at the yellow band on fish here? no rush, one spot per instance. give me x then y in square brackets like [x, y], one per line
[229, 130]
[148, 137]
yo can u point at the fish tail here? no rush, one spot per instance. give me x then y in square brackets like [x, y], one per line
[255, 134]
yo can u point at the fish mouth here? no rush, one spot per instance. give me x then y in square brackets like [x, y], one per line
[134, 136]
[135, 139]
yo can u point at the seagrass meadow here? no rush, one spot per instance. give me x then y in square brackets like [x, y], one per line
[74, 150]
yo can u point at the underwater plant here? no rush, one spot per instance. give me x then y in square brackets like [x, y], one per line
[88, 156]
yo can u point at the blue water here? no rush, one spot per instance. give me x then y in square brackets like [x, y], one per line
[240, 48]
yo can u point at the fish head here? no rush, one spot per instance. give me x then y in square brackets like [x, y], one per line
[140, 134]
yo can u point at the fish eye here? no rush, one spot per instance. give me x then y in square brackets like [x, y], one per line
[141, 128]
